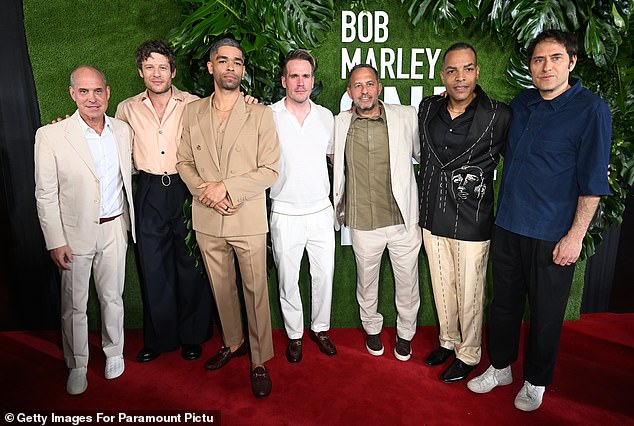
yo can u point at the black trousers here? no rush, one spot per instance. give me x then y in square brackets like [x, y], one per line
[177, 303]
[522, 266]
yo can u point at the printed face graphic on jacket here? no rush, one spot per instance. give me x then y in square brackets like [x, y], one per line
[467, 182]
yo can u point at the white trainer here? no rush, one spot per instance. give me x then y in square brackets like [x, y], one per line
[114, 367]
[76, 382]
[491, 378]
[529, 398]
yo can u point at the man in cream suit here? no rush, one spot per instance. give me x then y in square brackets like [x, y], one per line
[83, 191]
[377, 198]
[228, 156]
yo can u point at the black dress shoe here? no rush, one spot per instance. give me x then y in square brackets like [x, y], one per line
[191, 352]
[147, 355]
[294, 351]
[225, 355]
[457, 371]
[324, 343]
[438, 356]
[260, 382]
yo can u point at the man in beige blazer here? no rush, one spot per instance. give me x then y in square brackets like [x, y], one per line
[228, 156]
[375, 195]
[83, 191]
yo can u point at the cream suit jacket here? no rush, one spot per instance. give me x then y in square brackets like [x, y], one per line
[247, 164]
[402, 130]
[67, 187]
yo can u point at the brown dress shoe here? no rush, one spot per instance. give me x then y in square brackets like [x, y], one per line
[225, 355]
[294, 351]
[323, 342]
[260, 382]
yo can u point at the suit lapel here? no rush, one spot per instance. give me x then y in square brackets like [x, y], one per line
[235, 122]
[207, 132]
[430, 113]
[77, 140]
[393, 135]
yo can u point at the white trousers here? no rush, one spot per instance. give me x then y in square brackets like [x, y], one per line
[107, 264]
[403, 246]
[458, 276]
[290, 235]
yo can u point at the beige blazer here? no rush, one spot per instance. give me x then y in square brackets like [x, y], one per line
[67, 187]
[404, 145]
[247, 164]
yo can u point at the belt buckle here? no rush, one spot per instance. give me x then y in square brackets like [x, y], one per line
[166, 180]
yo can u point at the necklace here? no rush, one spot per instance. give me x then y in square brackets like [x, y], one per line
[455, 111]
[222, 110]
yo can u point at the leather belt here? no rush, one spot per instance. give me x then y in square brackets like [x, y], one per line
[108, 219]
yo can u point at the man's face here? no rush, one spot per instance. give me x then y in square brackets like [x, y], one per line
[156, 73]
[227, 67]
[90, 93]
[298, 81]
[460, 74]
[364, 90]
[550, 68]
[467, 183]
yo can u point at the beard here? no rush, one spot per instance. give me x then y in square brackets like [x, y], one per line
[228, 84]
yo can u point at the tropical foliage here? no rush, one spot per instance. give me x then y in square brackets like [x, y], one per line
[605, 65]
[266, 29]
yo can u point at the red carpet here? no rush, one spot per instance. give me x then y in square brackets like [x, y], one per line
[594, 382]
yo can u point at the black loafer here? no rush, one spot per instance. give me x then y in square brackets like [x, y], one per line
[294, 351]
[324, 343]
[457, 371]
[438, 356]
[260, 382]
[225, 355]
[191, 352]
[147, 355]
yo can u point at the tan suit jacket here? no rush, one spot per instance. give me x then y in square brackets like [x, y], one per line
[245, 171]
[402, 130]
[67, 187]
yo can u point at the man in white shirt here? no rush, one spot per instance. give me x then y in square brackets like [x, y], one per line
[301, 211]
[83, 189]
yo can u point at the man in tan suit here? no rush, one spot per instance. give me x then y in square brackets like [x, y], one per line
[228, 156]
[375, 195]
[83, 191]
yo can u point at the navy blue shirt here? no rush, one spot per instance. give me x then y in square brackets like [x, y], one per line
[557, 150]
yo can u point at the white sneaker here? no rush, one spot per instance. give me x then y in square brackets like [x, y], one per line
[491, 378]
[529, 398]
[76, 382]
[114, 367]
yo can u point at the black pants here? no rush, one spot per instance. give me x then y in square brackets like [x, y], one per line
[177, 303]
[521, 266]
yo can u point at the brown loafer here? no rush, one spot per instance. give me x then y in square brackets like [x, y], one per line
[323, 342]
[225, 355]
[260, 382]
[294, 351]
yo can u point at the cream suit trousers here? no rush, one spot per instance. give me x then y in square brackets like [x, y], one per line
[458, 275]
[403, 246]
[107, 263]
[290, 235]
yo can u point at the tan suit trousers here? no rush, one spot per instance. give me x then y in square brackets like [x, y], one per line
[219, 255]
[458, 276]
[403, 246]
[107, 263]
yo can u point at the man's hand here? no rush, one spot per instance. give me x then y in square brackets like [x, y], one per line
[226, 208]
[249, 100]
[58, 119]
[567, 250]
[62, 256]
[213, 193]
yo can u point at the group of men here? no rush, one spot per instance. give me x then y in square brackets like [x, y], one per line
[226, 150]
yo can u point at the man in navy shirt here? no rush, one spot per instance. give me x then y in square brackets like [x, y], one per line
[555, 171]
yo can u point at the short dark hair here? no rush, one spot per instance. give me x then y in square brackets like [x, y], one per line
[155, 46]
[90, 67]
[299, 55]
[568, 40]
[459, 46]
[359, 66]
[225, 42]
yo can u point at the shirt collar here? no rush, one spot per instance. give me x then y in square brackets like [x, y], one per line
[381, 115]
[177, 95]
[88, 130]
[575, 86]
[280, 106]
